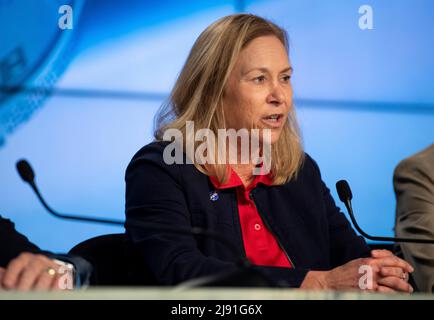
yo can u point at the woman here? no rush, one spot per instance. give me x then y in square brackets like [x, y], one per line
[283, 220]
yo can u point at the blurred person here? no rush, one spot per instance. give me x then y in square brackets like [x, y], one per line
[413, 182]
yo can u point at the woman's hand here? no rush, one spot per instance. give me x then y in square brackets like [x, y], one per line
[392, 278]
[383, 272]
[31, 272]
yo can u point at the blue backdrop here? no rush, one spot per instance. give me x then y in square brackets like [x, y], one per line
[365, 98]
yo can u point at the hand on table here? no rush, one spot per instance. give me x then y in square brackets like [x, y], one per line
[33, 272]
[383, 272]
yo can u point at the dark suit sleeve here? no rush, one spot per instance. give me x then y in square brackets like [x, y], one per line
[345, 244]
[12, 243]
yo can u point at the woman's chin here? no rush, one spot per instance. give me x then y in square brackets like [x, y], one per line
[273, 138]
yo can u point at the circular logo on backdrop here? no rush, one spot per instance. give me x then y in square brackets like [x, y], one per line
[37, 40]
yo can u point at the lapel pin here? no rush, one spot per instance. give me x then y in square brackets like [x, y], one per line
[213, 196]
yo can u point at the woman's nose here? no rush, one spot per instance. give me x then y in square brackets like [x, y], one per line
[276, 95]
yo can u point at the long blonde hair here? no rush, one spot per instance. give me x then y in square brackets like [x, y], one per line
[198, 92]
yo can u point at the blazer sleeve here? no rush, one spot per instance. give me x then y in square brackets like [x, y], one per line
[414, 190]
[13, 243]
[345, 244]
[154, 195]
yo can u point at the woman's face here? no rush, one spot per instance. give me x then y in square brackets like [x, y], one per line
[258, 93]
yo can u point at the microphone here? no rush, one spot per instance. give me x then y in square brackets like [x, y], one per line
[246, 276]
[27, 174]
[345, 195]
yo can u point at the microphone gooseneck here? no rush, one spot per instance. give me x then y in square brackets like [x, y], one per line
[27, 174]
[345, 195]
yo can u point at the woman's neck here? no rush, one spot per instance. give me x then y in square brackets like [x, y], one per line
[245, 172]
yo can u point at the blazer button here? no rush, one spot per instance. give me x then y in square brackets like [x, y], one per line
[257, 227]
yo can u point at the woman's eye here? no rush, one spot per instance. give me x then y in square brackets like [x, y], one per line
[286, 78]
[259, 79]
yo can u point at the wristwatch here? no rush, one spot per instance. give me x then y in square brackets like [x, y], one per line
[68, 279]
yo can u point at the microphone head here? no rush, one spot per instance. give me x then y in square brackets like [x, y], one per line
[344, 191]
[25, 171]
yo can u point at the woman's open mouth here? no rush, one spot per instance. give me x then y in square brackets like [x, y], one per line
[273, 120]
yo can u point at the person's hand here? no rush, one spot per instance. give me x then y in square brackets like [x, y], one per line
[391, 278]
[32, 272]
[383, 272]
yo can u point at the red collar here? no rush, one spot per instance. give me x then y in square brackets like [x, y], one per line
[235, 181]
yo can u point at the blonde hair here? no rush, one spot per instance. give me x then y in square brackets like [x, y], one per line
[198, 92]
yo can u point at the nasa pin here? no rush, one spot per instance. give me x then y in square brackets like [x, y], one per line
[213, 196]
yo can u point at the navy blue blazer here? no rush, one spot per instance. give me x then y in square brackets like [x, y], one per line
[301, 214]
